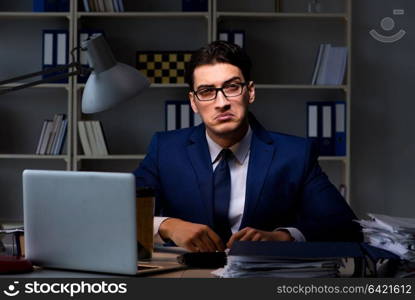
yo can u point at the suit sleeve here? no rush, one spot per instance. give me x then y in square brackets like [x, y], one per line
[147, 174]
[324, 215]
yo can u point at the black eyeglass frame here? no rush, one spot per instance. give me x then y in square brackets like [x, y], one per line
[242, 84]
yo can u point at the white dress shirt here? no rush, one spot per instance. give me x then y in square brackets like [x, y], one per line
[238, 167]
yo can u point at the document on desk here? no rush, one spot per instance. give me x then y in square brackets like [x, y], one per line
[394, 234]
[394, 224]
[287, 260]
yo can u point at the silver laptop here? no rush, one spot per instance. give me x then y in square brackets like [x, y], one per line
[82, 221]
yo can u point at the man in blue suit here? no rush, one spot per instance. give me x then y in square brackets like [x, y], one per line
[229, 179]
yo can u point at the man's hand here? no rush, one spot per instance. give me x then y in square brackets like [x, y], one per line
[194, 237]
[252, 234]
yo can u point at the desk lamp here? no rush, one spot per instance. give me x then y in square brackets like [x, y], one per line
[109, 83]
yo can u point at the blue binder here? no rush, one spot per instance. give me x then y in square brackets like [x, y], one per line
[321, 126]
[50, 5]
[239, 38]
[48, 50]
[340, 128]
[62, 51]
[44, 5]
[313, 124]
[55, 51]
[63, 5]
[233, 36]
[303, 250]
[178, 114]
[326, 119]
[225, 35]
[194, 5]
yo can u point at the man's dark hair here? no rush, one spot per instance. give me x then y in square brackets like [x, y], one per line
[219, 52]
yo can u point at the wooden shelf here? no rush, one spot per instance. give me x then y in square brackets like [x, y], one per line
[301, 87]
[43, 85]
[35, 15]
[143, 14]
[141, 156]
[169, 85]
[31, 156]
[111, 157]
[260, 15]
[154, 85]
[258, 86]
[333, 158]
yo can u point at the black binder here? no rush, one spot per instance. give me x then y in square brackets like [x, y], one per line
[297, 250]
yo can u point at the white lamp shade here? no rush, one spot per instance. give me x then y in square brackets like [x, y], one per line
[108, 88]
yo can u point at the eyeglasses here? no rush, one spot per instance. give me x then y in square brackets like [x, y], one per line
[228, 90]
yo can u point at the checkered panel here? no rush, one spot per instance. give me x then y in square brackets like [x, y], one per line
[163, 66]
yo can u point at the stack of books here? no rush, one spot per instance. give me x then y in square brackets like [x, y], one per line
[394, 234]
[103, 5]
[52, 136]
[330, 65]
[12, 239]
[92, 138]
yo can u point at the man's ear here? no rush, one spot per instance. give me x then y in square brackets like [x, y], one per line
[192, 102]
[251, 92]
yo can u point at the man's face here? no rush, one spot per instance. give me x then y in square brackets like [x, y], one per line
[223, 115]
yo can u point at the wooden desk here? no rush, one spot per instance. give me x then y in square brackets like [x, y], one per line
[185, 273]
[158, 257]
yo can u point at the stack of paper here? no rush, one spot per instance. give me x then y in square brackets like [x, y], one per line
[6, 235]
[287, 260]
[238, 266]
[394, 234]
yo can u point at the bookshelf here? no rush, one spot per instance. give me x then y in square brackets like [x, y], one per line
[22, 112]
[153, 18]
[283, 64]
[282, 70]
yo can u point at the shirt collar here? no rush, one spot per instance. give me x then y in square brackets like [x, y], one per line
[240, 150]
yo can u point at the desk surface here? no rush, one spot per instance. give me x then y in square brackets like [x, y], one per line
[158, 257]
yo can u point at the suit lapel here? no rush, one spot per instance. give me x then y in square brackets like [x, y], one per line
[198, 152]
[260, 157]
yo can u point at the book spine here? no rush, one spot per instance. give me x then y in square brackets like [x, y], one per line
[91, 138]
[84, 138]
[61, 136]
[42, 135]
[46, 138]
[87, 8]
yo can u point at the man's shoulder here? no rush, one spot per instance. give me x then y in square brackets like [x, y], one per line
[175, 136]
[292, 148]
[283, 139]
[277, 138]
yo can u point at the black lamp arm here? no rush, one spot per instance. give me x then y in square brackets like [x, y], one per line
[79, 70]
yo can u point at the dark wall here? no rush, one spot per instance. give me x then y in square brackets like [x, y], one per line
[383, 106]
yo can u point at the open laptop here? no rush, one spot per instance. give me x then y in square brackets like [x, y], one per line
[83, 221]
